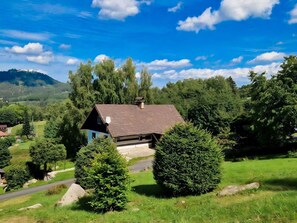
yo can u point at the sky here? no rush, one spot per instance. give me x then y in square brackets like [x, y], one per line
[174, 39]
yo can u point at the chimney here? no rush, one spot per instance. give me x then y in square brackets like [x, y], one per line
[139, 101]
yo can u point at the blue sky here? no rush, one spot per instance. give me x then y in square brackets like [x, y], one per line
[174, 39]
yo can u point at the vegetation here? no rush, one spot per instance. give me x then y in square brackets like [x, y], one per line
[187, 161]
[274, 201]
[4, 153]
[16, 176]
[109, 173]
[45, 151]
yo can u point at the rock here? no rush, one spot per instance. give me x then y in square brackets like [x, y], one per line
[72, 195]
[234, 189]
[35, 206]
[49, 176]
[33, 181]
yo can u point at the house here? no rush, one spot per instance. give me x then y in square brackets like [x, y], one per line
[3, 134]
[131, 124]
[3, 128]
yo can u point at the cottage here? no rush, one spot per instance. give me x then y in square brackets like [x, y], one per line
[3, 128]
[3, 134]
[131, 124]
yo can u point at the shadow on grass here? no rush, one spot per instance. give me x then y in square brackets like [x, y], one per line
[150, 190]
[281, 184]
[83, 205]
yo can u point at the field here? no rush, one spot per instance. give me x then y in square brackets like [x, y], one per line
[275, 201]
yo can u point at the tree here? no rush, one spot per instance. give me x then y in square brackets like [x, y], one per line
[145, 86]
[273, 102]
[4, 153]
[110, 175]
[187, 161]
[16, 176]
[26, 130]
[130, 81]
[44, 151]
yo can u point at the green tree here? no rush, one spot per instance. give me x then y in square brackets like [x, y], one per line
[4, 153]
[145, 87]
[44, 151]
[26, 130]
[110, 175]
[187, 161]
[130, 82]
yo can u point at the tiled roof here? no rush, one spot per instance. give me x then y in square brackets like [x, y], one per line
[129, 120]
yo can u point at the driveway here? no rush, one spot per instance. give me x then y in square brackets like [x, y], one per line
[130, 152]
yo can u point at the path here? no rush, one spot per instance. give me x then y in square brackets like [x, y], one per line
[140, 166]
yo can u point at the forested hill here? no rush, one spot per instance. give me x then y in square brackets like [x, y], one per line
[31, 86]
[26, 78]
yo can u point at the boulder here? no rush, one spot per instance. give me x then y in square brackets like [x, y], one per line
[234, 189]
[33, 181]
[72, 195]
[35, 206]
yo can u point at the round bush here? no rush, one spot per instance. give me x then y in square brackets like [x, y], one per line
[110, 176]
[187, 161]
[84, 159]
[16, 176]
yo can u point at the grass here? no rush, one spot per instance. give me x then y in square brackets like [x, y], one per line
[275, 201]
[133, 161]
[38, 128]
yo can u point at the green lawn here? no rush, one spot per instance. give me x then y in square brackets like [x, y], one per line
[38, 128]
[275, 201]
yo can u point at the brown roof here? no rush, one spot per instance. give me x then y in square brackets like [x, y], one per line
[129, 120]
[2, 134]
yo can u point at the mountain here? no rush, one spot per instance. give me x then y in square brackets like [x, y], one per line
[31, 86]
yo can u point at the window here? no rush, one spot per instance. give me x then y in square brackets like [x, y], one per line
[93, 135]
[99, 122]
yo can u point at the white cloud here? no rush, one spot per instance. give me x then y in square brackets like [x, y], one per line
[293, 15]
[17, 34]
[30, 48]
[236, 73]
[64, 46]
[116, 9]
[72, 61]
[85, 14]
[166, 64]
[43, 58]
[7, 42]
[280, 43]
[100, 58]
[236, 10]
[201, 58]
[268, 57]
[237, 59]
[176, 8]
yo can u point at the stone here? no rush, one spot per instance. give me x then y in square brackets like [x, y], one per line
[234, 189]
[33, 181]
[35, 206]
[73, 194]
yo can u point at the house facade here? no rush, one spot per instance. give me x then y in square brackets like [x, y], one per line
[131, 124]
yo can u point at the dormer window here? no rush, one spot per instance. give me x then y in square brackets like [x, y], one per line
[99, 121]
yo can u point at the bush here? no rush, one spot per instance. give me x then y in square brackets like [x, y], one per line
[187, 161]
[84, 159]
[16, 176]
[56, 189]
[110, 175]
[292, 154]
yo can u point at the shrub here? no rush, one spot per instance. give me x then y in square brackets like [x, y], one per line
[84, 159]
[56, 189]
[187, 161]
[292, 154]
[16, 176]
[110, 176]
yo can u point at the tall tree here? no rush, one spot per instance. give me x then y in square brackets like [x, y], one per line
[130, 81]
[145, 86]
[26, 130]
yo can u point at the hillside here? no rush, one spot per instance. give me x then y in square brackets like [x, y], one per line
[27, 86]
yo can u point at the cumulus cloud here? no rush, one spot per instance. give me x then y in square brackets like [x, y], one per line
[268, 57]
[44, 58]
[17, 34]
[64, 46]
[100, 58]
[116, 9]
[176, 8]
[236, 10]
[293, 15]
[30, 48]
[166, 64]
[201, 58]
[236, 73]
[72, 61]
[237, 59]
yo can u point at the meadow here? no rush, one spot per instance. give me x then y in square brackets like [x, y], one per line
[274, 201]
